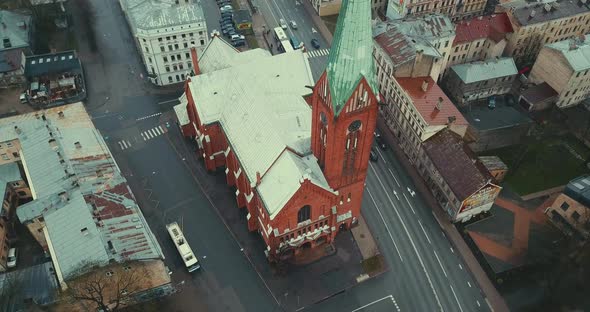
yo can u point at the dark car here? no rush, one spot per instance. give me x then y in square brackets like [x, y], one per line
[227, 14]
[373, 155]
[315, 43]
[238, 43]
[226, 19]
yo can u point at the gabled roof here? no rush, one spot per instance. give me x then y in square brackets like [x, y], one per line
[426, 101]
[494, 26]
[557, 9]
[52, 63]
[455, 162]
[225, 56]
[259, 103]
[351, 54]
[8, 173]
[76, 184]
[486, 70]
[15, 27]
[154, 14]
[575, 51]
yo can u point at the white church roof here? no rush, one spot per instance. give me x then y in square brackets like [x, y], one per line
[259, 103]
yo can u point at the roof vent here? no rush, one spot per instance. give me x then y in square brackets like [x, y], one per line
[555, 5]
[425, 85]
[84, 231]
[533, 12]
[78, 145]
[60, 114]
[547, 7]
[17, 130]
[439, 103]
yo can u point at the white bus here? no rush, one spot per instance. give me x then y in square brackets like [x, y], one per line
[280, 34]
[286, 46]
[190, 260]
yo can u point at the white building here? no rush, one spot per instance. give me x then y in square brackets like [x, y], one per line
[165, 30]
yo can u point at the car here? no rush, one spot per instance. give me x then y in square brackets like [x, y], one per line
[226, 9]
[283, 23]
[293, 24]
[223, 3]
[238, 43]
[214, 33]
[373, 155]
[227, 14]
[315, 43]
[227, 24]
[12, 257]
[237, 37]
[377, 135]
[492, 102]
[231, 33]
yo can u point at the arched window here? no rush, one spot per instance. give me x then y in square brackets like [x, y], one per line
[304, 214]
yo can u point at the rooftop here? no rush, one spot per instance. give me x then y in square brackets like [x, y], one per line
[258, 100]
[78, 189]
[545, 10]
[15, 30]
[575, 51]
[52, 63]
[485, 70]
[8, 173]
[494, 26]
[493, 163]
[456, 163]
[538, 93]
[431, 27]
[502, 116]
[36, 282]
[351, 54]
[426, 101]
[10, 60]
[156, 14]
[579, 190]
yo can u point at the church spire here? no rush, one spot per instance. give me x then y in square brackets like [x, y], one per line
[351, 53]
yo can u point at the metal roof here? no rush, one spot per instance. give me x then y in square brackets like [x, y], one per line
[35, 282]
[10, 60]
[155, 14]
[52, 63]
[8, 173]
[502, 116]
[486, 70]
[259, 103]
[351, 54]
[579, 190]
[15, 28]
[557, 9]
[575, 51]
[225, 56]
[494, 27]
[76, 184]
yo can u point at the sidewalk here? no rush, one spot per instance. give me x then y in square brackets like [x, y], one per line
[492, 295]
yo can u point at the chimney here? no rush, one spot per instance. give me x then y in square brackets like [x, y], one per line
[439, 103]
[17, 130]
[532, 14]
[195, 60]
[258, 178]
[425, 85]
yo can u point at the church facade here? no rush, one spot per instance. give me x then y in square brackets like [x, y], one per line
[295, 151]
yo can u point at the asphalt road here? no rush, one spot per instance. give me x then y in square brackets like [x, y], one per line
[292, 10]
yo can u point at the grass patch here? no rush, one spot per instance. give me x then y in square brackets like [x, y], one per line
[330, 22]
[543, 164]
[372, 265]
[252, 42]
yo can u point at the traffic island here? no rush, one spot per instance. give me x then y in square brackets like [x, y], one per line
[353, 257]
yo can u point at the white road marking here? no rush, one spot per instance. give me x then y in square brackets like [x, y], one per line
[372, 303]
[128, 143]
[452, 250]
[157, 131]
[143, 136]
[409, 203]
[460, 266]
[121, 145]
[396, 181]
[395, 193]
[468, 283]
[456, 299]
[162, 129]
[411, 240]
[313, 31]
[153, 134]
[148, 135]
[149, 116]
[386, 227]
[423, 230]
[166, 102]
[477, 301]
[381, 155]
[440, 263]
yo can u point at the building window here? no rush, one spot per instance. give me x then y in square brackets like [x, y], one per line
[186, 45]
[564, 206]
[162, 49]
[174, 37]
[168, 38]
[165, 58]
[177, 78]
[168, 69]
[15, 154]
[170, 79]
[576, 216]
[200, 33]
[5, 157]
[172, 57]
[160, 39]
[202, 42]
[304, 214]
[175, 67]
[169, 47]
[183, 35]
[176, 46]
[187, 55]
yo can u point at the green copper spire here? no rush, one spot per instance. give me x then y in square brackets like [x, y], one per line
[351, 53]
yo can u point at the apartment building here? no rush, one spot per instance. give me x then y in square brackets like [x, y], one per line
[416, 109]
[455, 9]
[480, 38]
[332, 7]
[412, 47]
[473, 81]
[164, 31]
[564, 66]
[571, 210]
[538, 23]
[82, 212]
[458, 180]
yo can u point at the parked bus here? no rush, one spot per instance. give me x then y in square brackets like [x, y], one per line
[190, 260]
[285, 46]
[280, 34]
[296, 44]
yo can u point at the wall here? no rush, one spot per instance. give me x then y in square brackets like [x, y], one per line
[551, 67]
[496, 138]
[9, 151]
[479, 202]
[567, 207]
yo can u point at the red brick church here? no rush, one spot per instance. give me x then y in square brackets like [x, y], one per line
[296, 152]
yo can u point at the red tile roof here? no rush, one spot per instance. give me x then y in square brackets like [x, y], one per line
[494, 26]
[425, 102]
[397, 46]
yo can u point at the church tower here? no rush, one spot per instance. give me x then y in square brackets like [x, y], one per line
[344, 106]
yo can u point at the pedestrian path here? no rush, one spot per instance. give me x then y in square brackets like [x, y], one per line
[153, 132]
[317, 53]
[124, 144]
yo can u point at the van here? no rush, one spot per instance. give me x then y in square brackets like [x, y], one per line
[23, 98]
[373, 155]
[12, 256]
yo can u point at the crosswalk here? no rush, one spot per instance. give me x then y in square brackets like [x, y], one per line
[317, 53]
[124, 144]
[153, 132]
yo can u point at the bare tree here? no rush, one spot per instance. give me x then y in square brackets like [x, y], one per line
[109, 288]
[11, 288]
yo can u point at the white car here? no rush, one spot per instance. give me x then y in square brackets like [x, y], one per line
[12, 256]
[237, 37]
[293, 24]
[283, 23]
